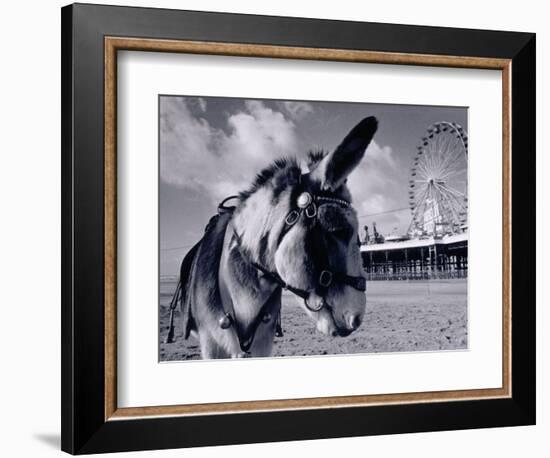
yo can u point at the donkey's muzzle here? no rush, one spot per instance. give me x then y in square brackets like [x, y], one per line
[349, 323]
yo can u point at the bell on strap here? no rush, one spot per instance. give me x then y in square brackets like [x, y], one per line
[225, 321]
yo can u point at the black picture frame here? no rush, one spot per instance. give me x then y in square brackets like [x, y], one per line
[84, 427]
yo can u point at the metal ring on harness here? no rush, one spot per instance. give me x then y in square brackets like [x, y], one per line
[315, 309]
[222, 208]
[311, 210]
[292, 217]
[325, 278]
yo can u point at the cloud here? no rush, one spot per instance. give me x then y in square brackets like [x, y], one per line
[376, 186]
[202, 104]
[259, 131]
[296, 110]
[370, 181]
[221, 161]
[196, 155]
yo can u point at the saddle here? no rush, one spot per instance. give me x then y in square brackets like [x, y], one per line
[195, 268]
[213, 237]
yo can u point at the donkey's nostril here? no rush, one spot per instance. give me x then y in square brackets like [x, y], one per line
[354, 321]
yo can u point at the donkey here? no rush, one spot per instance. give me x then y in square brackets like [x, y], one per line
[290, 230]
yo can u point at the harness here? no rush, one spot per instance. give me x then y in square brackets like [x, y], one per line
[306, 206]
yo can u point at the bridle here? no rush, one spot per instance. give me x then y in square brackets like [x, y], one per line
[307, 206]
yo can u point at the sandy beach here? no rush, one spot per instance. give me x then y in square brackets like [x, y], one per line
[401, 316]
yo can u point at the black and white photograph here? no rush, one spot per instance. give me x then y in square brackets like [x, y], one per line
[275, 229]
[308, 228]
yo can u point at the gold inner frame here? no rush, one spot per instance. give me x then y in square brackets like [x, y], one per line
[114, 44]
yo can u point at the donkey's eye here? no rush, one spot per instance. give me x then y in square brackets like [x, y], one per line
[341, 233]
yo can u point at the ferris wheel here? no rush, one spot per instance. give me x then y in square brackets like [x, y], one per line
[438, 182]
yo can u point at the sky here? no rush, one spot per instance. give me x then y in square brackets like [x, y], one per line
[212, 147]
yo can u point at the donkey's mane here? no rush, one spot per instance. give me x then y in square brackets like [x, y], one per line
[282, 172]
[279, 174]
[315, 156]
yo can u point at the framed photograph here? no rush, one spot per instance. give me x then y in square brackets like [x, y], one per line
[281, 229]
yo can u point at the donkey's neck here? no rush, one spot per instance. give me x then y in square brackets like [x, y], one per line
[258, 223]
[242, 288]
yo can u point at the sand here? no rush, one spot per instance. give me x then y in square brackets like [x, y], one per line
[401, 316]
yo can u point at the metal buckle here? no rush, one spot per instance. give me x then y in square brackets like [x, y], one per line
[325, 278]
[311, 210]
[292, 217]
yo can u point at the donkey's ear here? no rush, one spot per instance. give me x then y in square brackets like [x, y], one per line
[336, 166]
